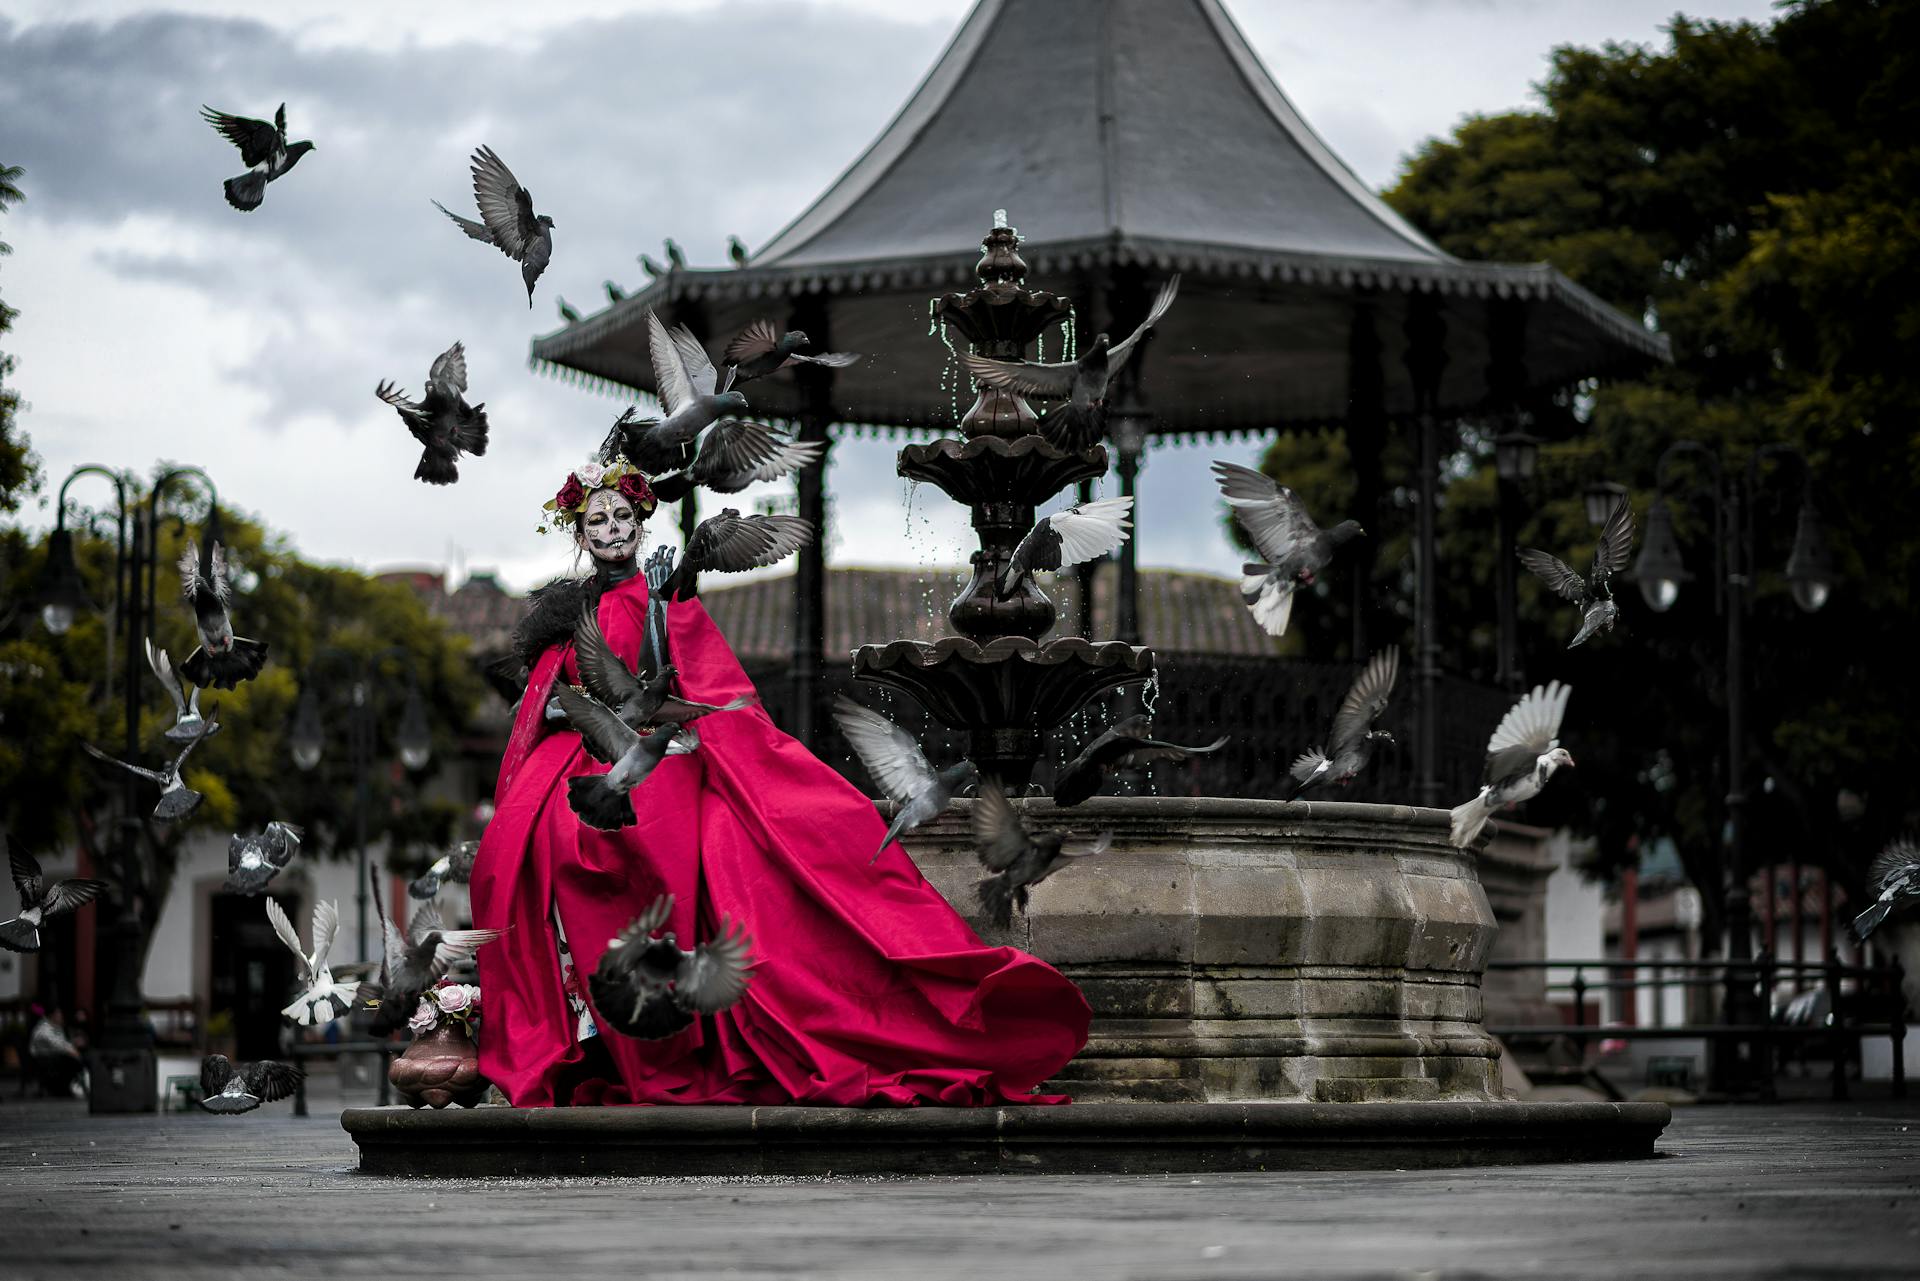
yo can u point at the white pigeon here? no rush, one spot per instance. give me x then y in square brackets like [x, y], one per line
[321, 999]
[1521, 756]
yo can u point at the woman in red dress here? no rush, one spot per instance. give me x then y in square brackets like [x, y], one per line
[869, 988]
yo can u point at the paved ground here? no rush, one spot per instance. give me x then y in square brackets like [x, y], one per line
[1799, 1190]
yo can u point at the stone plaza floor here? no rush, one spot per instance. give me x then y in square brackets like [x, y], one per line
[1795, 1190]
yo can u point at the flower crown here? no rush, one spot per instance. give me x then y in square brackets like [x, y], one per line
[564, 508]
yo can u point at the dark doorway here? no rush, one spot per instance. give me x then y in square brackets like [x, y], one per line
[253, 973]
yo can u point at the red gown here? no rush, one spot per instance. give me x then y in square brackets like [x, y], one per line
[869, 990]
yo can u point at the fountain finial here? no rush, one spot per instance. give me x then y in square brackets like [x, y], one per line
[1000, 260]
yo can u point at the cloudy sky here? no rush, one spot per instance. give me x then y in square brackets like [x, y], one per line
[159, 324]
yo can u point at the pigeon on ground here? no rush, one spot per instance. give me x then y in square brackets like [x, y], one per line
[253, 861]
[651, 267]
[322, 999]
[1594, 594]
[727, 456]
[39, 901]
[674, 253]
[614, 292]
[1295, 549]
[639, 703]
[1018, 858]
[186, 711]
[899, 768]
[456, 867]
[223, 660]
[605, 801]
[177, 800]
[507, 220]
[1081, 383]
[264, 150]
[1126, 744]
[443, 422]
[737, 251]
[230, 1089]
[1080, 533]
[413, 961]
[647, 987]
[1521, 756]
[1350, 746]
[568, 314]
[730, 543]
[1894, 876]
[761, 348]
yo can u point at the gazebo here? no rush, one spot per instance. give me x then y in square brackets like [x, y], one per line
[1128, 140]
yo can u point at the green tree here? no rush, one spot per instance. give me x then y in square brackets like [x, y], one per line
[19, 469]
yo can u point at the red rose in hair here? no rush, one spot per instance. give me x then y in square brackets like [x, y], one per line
[571, 494]
[635, 489]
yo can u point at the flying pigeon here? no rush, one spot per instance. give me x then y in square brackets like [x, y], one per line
[730, 543]
[1079, 533]
[1350, 746]
[605, 800]
[229, 1090]
[508, 222]
[1295, 549]
[264, 150]
[1521, 756]
[186, 712]
[253, 861]
[1594, 595]
[737, 251]
[728, 455]
[646, 987]
[1895, 874]
[1127, 743]
[636, 702]
[899, 768]
[1081, 383]
[614, 292]
[177, 800]
[760, 348]
[674, 253]
[321, 999]
[651, 267]
[567, 313]
[444, 423]
[413, 961]
[694, 395]
[223, 659]
[39, 901]
[1018, 858]
[456, 867]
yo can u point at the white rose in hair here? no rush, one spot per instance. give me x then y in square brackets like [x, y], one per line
[590, 474]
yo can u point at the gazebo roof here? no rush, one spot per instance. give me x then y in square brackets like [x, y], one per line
[1124, 137]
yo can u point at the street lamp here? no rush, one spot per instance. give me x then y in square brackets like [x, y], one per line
[1601, 497]
[1516, 455]
[62, 594]
[1660, 571]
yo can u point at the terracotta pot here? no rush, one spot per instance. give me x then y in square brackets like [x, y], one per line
[438, 1068]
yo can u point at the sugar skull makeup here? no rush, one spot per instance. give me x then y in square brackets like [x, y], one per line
[609, 527]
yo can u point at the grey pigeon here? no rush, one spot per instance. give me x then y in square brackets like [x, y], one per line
[1593, 594]
[186, 711]
[1894, 877]
[693, 393]
[253, 861]
[646, 986]
[223, 660]
[1350, 746]
[229, 1089]
[674, 253]
[651, 267]
[731, 454]
[731, 543]
[614, 292]
[567, 313]
[456, 867]
[1072, 536]
[177, 800]
[639, 703]
[737, 251]
[264, 150]
[1522, 755]
[38, 900]
[761, 348]
[899, 768]
[443, 422]
[321, 998]
[1127, 743]
[605, 801]
[413, 961]
[507, 220]
[1294, 549]
[1018, 858]
[1081, 383]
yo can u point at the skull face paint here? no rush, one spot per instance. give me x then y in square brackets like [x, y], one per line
[609, 527]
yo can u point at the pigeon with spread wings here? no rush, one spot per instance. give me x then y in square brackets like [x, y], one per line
[605, 801]
[442, 421]
[1127, 743]
[253, 861]
[1073, 536]
[761, 348]
[264, 150]
[507, 220]
[223, 660]
[1350, 746]
[322, 998]
[186, 710]
[646, 986]
[456, 866]
[1018, 858]
[177, 800]
[1894, 879]
[694, 394]
[731, 543]
[1293, 549]
[413, 960]
[638, 702]
[1522, 755]
[1594, 593]
[38, 900]
[899, 768]
[229, 1088]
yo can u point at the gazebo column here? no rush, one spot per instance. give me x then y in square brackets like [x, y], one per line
[1366, 442]
[810, 572]
[1506, 390]
[1127, 430]
[1426, 360]
[1083, 574]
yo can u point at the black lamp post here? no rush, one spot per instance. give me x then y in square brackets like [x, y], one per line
[1661, 574]
[412, 741]
[1601, 497]
[1516, 456]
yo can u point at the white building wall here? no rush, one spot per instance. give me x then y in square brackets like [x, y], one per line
[1576, 909]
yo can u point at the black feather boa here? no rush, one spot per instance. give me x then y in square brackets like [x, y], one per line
[553, 612]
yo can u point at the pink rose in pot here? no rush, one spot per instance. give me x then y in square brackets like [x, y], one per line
[424, 1018]
[454, 998]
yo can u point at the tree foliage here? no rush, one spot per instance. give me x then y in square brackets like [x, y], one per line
[19, 469]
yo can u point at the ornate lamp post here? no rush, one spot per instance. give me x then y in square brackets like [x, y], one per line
[412, 741]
